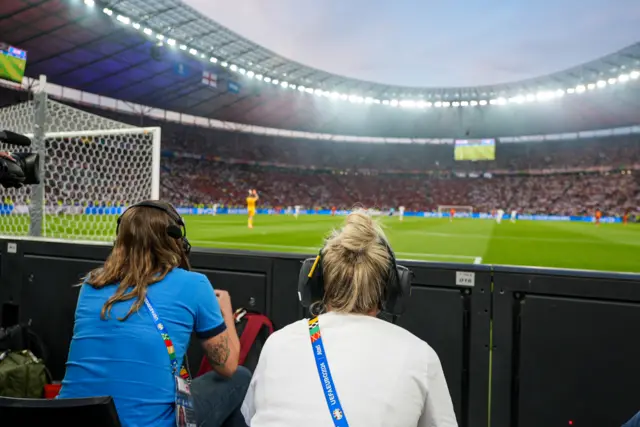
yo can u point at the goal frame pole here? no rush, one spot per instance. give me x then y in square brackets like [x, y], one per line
[36, 210]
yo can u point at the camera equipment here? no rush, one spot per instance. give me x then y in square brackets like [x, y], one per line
[18, 169]
[397, 286]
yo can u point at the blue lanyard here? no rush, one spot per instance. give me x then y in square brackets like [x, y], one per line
[165, 336]
[329, 389]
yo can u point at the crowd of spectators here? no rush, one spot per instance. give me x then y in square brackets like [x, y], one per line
[192, 182]
[582, 153]
[317, 173]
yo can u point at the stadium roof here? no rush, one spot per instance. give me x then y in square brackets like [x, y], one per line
[154, 53]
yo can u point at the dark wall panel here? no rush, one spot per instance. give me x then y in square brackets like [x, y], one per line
[454, 320]
[436, 316]
[588, 351]
[565, 348]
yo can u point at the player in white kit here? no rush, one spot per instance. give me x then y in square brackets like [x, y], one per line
[499, 215]
[215, 209]
[296, 211]
[514, 215]
[401, 212]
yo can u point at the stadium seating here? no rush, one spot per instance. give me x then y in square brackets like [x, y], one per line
[558, 177]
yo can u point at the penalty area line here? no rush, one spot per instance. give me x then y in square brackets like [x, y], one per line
[477, 260]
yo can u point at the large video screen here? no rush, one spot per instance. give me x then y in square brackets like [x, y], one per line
[475, 149]
[13, 62]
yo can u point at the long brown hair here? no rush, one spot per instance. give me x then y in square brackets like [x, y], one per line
[143, 254]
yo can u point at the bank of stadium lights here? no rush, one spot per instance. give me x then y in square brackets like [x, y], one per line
[405, 103]
[89, 3]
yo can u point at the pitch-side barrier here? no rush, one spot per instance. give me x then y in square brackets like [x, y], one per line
[520, 347]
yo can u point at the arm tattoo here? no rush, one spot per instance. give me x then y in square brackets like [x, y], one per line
[218, 352]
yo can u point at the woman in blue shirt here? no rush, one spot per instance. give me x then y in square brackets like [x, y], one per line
[117, 349]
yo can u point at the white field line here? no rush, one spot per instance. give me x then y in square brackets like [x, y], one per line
[488, 236]
[314, 249]
[477, 260]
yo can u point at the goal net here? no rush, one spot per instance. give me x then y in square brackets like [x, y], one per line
[446, 209]
[93, 168]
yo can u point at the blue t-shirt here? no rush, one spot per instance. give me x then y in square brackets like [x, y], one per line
[128, 360]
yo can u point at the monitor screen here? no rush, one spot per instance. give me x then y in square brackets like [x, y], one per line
[13, 62]
[475, 149]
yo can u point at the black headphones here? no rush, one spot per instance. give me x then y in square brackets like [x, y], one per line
[177, 231]
[397, 287]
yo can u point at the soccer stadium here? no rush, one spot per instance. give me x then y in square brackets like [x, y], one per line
[515, 205]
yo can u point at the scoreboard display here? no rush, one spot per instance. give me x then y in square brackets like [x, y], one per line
[475, 149]
[13, 62]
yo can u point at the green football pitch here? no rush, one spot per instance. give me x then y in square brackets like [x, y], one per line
[612, 247]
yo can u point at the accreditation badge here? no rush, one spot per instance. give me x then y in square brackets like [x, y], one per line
[185, 412]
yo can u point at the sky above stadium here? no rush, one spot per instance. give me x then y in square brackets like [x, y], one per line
[433, 43]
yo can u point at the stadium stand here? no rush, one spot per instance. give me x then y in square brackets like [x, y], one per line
[567, 177]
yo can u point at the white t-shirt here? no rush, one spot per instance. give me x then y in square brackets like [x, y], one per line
[401, 209]
[384, 376]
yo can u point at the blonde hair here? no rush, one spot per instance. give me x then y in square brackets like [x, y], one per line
[355, 265]
[143, 255]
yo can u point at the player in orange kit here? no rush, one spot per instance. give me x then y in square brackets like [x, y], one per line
[625, 217]
[251, 205]
[452, 213]
[598, 216]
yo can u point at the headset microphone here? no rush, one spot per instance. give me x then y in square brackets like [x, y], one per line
[13, 138]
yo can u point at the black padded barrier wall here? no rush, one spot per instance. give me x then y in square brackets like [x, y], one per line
[565, 344]
[566, 348]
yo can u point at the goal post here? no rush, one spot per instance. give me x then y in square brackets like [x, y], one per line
[442, 209]
[92, 168]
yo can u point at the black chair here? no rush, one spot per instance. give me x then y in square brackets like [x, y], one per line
[93, 412]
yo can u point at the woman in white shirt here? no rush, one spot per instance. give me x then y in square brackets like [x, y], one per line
[375, 373]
